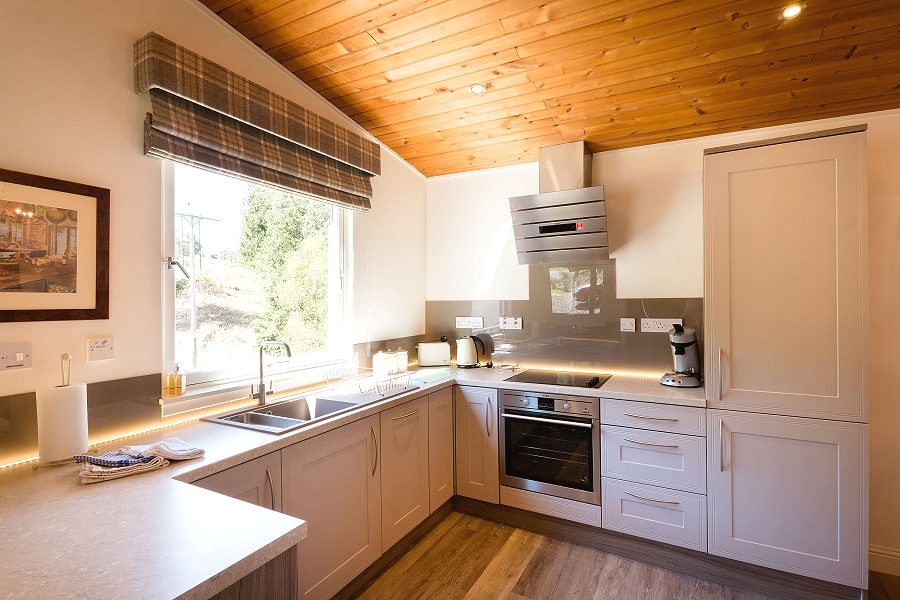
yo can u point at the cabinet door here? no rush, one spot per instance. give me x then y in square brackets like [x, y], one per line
[440, 447]
[477, 467]
[789, 493]
[785, 244]
[333, 481]
[257, 481]
[404, 469]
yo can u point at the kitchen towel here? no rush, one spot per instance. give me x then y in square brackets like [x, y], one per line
[96, 473]
[112, 459]
[62, 422]
[171, 448]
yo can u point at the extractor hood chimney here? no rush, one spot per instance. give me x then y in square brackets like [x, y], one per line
[566, 222]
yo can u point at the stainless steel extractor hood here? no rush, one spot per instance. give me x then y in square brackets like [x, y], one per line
[566, 221]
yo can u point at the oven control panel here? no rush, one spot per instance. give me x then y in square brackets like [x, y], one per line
[552, 403]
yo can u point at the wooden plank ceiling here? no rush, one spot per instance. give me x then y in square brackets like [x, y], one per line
[616, 73]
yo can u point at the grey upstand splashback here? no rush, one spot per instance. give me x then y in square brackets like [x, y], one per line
[571, 320]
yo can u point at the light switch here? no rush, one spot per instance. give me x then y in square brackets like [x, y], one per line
[511, 323]
[626, 324]
[16, 355]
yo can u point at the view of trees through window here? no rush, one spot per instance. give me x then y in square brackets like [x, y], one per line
[259, 265]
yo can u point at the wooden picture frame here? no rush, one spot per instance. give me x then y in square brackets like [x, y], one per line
[45, 249]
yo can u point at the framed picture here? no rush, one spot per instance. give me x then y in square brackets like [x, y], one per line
[54, 249]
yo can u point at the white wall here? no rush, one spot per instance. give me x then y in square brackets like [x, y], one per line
[469, 244]
[68, 110]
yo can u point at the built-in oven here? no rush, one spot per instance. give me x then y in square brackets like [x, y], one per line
[550, 444]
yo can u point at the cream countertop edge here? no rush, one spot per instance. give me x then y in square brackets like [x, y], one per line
[175, 564]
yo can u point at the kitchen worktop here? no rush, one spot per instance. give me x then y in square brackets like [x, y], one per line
[154, 536]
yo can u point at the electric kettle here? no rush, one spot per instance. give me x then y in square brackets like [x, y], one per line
[467, 352]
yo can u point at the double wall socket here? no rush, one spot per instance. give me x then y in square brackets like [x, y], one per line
[658, 325]
[469, 322]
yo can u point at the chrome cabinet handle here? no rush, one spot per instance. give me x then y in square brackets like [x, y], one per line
[653, 499]
[406, 415]
[271, 486]
[721, 446]
[487, 415]
[649, 417]
[721, 375]
[551, 421]
[651, 444]
[375, 463]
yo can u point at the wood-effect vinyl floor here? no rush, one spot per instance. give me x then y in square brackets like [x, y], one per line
[467, 558]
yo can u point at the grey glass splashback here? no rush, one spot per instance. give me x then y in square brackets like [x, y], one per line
[571, 321]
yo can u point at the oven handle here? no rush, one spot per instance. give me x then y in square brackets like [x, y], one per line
[553, 421]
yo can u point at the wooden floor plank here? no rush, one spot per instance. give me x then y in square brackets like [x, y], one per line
[448, 567]
[502, 574]
[469, 558]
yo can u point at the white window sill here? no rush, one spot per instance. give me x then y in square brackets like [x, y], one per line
[205, 395]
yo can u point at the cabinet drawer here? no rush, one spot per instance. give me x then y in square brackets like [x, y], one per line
[658, 417]
[655, 513]
[666, 459]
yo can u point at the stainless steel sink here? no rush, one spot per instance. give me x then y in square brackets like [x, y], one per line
[294, 413]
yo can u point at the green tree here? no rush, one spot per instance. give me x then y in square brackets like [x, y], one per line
[285, 239]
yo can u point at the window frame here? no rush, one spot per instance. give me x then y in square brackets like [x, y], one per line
[339, 305]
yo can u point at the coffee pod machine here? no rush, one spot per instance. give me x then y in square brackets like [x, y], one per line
[686, 357]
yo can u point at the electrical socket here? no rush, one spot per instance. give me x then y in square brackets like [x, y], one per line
[626, 324]
[510, 323]
[101, 348]
[469, 322]
[658, 325]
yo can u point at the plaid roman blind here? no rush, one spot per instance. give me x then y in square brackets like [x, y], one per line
[207, 116]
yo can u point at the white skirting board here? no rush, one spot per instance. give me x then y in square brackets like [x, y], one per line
[884, 559]
[563, 508]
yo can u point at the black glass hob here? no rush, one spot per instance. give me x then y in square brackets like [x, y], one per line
[588, 380]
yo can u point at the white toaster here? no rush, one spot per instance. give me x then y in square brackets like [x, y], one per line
[434, 354]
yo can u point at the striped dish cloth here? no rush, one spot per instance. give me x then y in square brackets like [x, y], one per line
[112, 459]
[97, 473]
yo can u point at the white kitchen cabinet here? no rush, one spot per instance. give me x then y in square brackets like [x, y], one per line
[257, 481]
[785, 299]
[668, 459]
[404, 469]
[647, 511]
[333, 481]
[440, 447]
[789, 493]
[477, 465]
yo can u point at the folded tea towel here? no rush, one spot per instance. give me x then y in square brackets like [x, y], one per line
[96, 473]
[112, 459]
[171, 448]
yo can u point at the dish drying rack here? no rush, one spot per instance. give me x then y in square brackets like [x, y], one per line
[364, 378]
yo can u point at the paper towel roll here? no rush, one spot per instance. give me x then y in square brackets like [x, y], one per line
[62, 422]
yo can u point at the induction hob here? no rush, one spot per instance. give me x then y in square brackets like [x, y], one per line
[567, 378]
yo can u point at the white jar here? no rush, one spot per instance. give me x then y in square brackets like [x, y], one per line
[380, 367]
[402, 361]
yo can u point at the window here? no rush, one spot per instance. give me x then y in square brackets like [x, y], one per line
[263, 264]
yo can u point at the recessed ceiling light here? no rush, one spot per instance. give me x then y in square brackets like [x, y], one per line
[477, 88]
[793, 10]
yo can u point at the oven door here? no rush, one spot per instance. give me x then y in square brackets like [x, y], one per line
[551, 454]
